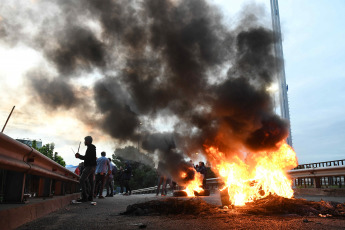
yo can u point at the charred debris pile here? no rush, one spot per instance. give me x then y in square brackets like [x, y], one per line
[172, 206]
[275, 205]
[271, 205]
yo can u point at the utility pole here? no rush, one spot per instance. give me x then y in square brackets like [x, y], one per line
[278, 50]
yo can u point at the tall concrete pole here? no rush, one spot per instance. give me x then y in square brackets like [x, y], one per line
[278, 49]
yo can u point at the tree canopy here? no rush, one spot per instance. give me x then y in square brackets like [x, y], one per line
[143, 175]
[48, 150]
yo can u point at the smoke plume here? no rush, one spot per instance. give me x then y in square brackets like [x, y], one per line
[157, 59]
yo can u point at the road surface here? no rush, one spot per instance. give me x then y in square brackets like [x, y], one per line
[105, 215]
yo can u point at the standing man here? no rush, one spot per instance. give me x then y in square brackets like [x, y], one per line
[120, 178]
[102, 170]
[89, 169]
[127, 174]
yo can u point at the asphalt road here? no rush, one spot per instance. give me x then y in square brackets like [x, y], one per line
[105, 215]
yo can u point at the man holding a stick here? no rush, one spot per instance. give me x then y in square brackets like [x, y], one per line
[89, 169]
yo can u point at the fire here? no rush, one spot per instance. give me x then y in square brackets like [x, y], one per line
[258, 176]
[193, 185]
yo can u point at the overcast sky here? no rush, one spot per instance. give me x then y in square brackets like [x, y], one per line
[314, 52]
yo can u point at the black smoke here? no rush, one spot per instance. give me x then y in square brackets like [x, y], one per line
[77, 49]
[161, 58]
[55, 93]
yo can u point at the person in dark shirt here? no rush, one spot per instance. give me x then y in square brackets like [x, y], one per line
[203, 171]
[89, 170]
[119, 178]
[127, 174]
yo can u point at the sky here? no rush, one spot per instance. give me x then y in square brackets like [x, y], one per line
[314, 55]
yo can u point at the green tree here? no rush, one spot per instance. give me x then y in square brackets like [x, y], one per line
[58, 159]
[144, 175]
[34, 144]
[48, 150]
[118, 161]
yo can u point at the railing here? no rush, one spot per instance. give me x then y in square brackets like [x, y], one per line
[24, 170]
[327, 174]
[324, 177]
[321, 164]
[211, 183]
[148, 190]
[145, 190]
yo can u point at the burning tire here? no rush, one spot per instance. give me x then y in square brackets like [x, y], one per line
[205, 192]
[180, 193]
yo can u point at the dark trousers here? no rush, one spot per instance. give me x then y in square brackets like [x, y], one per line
[121, 185]
[204, 186]
[109, 186]
[100, 180]
[87, 177]
[162, 181]
[126, 184]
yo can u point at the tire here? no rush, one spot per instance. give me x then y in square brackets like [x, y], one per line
[180, 193]
[205, 192]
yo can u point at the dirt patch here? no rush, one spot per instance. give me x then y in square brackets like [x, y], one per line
[271, 205]
[171, 206]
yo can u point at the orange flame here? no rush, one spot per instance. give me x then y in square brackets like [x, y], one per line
[193, 185]
[261, 174]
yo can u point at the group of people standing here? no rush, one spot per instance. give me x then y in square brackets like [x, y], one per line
[99, 172]
[95, 173]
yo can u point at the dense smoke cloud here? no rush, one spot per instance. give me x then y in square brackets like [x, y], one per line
[162, 58]
[54, 93]
[131, 153]
[77, 49]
